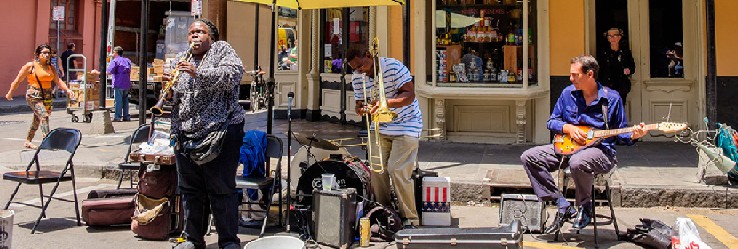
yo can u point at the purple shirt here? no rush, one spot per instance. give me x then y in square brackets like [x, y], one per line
[572, 109]
[120, 68]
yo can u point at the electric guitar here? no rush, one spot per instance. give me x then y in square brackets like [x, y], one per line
[565, 145]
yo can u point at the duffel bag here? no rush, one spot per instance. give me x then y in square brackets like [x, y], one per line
[158, 183]
[107, 211]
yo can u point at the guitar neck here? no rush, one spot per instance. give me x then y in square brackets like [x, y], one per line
[615, 132]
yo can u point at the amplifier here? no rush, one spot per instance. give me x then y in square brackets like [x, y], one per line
[524, 207]
[334, 215]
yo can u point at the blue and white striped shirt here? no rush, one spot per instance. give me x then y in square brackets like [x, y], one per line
[409, 120]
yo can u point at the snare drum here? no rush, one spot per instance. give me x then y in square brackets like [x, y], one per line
[350, 174]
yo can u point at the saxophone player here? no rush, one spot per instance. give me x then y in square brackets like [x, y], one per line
[398, 138]
[205, 99]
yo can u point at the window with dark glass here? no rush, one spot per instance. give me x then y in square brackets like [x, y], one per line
[287, 57]
[333, 36]
[480, 43]
[666, 35]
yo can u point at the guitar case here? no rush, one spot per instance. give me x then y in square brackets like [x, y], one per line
[510, 237]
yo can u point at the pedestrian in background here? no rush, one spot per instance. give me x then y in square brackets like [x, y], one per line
[40, 74]
[206, 102]
[65, 68]
[120, 68]
[616, 64]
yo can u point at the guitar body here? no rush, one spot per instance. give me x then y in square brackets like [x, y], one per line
[564, 145]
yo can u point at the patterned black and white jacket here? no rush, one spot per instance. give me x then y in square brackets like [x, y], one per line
[203, 103]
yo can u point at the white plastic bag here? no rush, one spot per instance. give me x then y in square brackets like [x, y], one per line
[689, 237]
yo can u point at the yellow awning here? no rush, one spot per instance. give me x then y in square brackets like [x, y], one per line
[325, 4]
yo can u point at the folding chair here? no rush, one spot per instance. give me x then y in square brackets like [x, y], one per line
[58, 139]
[141, 135]
[271, 183]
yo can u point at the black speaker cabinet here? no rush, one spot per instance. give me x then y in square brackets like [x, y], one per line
[334, 214]
[527, 208]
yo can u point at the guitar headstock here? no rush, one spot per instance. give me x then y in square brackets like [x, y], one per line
[671, 126]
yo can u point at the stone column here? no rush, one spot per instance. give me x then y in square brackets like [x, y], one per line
[440, 118]
[313, 75]
[520, 120]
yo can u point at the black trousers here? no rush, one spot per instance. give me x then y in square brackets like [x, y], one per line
[212, 185]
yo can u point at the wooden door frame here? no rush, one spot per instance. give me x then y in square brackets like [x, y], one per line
[693, 83]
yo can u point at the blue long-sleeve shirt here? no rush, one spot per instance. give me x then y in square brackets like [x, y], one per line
[571, 108]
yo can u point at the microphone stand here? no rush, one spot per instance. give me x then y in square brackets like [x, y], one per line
[290, 97]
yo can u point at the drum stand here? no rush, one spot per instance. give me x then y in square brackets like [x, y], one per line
[290, 96]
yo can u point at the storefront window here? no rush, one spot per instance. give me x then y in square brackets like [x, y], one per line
[666, 39]
[333, 37]
[480, 43]
[287, 39]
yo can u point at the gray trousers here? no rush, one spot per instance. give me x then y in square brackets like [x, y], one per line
[540, 160]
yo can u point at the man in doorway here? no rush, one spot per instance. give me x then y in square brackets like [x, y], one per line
[584, 102]
[399, 138]
[70, 51]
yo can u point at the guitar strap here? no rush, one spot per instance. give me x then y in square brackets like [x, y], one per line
[604, 109]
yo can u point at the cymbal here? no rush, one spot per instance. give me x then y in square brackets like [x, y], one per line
[314, 142]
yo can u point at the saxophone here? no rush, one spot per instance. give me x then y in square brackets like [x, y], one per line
[165, 90]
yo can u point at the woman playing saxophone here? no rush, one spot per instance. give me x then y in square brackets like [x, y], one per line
[205, 99]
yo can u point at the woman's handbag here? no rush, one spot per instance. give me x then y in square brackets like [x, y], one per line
[204, 150]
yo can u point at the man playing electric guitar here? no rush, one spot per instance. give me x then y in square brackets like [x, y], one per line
[582, 103]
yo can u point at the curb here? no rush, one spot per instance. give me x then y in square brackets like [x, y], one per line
[723, 197]
[25, 108]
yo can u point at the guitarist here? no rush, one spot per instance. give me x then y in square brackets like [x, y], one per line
[582, 103]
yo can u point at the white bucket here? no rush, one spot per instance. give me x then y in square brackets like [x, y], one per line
[276, 242]
[6, 228]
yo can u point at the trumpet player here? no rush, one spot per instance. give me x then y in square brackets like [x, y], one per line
[399, 138]
[205, 99]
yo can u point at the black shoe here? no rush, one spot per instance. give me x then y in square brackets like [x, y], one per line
[560, 219]
[584, 217]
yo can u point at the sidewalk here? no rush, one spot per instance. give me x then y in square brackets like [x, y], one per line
[18, 104]
[649, 173]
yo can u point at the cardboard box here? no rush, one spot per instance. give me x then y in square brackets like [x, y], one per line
[91, 105]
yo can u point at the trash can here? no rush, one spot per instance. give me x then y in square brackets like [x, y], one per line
[6, 229]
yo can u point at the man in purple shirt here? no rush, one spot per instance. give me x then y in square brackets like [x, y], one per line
[582, 103]
[120, 68]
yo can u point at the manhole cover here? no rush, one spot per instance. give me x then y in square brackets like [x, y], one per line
[9, 122]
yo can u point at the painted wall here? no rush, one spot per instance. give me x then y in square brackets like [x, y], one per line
[30, 27]
[241, 18]
[14, 54]
[566, 33]
[726, 37]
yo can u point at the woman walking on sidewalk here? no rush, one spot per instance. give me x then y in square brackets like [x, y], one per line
[39, 74]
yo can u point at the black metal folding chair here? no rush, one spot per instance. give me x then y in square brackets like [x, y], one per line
[141, 135]
[58, 139]
[271, 182]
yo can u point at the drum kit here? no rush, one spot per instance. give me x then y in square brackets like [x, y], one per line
[319, 156]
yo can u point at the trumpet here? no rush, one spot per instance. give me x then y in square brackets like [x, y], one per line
[164, 94]
[382, 115]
